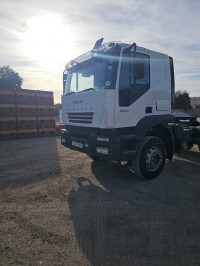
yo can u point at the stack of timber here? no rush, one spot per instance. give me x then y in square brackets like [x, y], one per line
[26, 113]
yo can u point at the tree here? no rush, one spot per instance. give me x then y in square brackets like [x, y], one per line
[9, 79]
[182, 100]
[57, 108]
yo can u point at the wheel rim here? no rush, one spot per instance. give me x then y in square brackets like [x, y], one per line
[154, 158]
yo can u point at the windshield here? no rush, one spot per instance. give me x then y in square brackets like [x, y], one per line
[97, 73]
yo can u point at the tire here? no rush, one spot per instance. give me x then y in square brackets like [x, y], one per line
[189, 147]
[151, 158]
[92, 157]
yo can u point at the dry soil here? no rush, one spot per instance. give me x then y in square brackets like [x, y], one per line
[58, 207]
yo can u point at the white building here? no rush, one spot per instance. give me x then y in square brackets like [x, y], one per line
[195, 102]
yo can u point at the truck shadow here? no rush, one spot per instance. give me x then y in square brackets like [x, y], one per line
[27, 161]
[97, 224]
[122, 220]
[193, 156]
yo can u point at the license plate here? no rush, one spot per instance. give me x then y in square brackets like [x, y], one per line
[103, 150]
[77, 144]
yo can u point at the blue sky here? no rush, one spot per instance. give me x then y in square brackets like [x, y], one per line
[39, 37]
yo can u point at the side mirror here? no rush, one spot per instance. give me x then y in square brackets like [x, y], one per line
[64, 81]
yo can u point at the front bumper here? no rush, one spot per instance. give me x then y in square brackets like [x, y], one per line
[121, 148]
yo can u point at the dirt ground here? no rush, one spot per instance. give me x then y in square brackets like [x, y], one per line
[58, 207]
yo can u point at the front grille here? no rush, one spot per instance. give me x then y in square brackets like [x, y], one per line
[81, 131]
[84, 118]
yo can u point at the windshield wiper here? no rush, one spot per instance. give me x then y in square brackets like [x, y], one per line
[89, 89]
[71, 92]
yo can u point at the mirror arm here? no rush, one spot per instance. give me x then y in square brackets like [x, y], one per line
[64, 81]
[134, 56]
[130, 47]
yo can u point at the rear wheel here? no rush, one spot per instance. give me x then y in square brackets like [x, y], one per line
[189, 146]
[151, 158]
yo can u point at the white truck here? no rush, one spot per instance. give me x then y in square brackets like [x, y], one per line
[116, 105]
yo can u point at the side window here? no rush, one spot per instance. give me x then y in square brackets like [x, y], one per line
[134, 78]
[141, 69]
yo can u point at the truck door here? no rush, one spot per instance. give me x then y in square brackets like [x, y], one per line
[134, 89]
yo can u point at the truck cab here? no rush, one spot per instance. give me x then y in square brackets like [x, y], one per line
[116, 105]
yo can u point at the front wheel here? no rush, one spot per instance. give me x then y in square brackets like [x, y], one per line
[151, 158]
